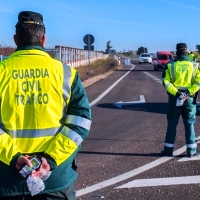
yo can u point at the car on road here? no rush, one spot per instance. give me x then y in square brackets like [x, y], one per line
[145, 58]
[161, 58]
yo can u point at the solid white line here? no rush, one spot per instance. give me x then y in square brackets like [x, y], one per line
[161, 181]
[110, 88]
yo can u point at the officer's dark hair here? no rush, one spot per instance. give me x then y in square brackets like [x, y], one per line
[29, 28]
[181, 49]
[29, 34]
[181, 52]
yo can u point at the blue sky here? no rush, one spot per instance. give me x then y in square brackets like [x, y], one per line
[128, 24]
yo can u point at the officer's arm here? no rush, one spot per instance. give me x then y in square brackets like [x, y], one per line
[164, 74]
[167, 81]
[196, 85]
[76, 126]
[79, 110]
[9, 151]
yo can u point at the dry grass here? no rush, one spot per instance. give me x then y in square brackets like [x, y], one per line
[96, 68]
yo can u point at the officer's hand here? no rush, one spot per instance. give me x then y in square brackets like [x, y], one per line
[22, 161]
[42, 170]
[185, 95]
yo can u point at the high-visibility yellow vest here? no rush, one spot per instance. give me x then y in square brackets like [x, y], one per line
[191, 56]
[182, 75]
[35, 91]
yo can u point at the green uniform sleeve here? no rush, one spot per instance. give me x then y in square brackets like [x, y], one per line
[64, 147]
[79, 106]
[167, 81]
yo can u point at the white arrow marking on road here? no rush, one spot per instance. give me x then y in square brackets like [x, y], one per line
[121, 103]
[189, 159]
[162, 181]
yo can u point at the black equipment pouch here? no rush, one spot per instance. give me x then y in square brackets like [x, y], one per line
[195, 98]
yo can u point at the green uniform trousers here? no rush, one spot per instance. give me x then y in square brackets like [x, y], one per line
[66, 194]
[188, 112]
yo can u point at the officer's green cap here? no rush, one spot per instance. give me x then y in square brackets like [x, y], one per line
[29, 17]
[181, 46]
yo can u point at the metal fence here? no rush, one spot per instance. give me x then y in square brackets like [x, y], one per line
[72, 56]
[76, 57]
[2, 57]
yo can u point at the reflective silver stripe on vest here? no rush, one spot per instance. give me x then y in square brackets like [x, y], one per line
[191, 145]
[72, 135]
[172, 72]
[168, 145]
[182, 88]
[66, 82]
[193, 73]
[167, 85]
[1, 132]
[198, 84]
[79, 121]
[36, 133]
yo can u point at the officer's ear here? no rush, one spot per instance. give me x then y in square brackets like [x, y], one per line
[15, 39]
[43, 40]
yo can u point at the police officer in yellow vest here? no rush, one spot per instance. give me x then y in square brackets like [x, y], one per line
[191, 56]
[44, 112]
[181, 79]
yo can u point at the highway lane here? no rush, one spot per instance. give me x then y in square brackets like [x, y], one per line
[124, 143]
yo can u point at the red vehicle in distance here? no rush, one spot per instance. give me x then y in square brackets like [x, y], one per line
[161, 58]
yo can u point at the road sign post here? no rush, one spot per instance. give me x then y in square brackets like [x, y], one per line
[88, 40]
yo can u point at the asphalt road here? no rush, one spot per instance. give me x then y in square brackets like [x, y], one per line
[120, 159]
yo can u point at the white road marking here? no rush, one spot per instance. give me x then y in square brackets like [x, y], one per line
[133, 172]
[189, 159]
[154, 77]
[121, 103]
[110, 88]
[129, 174]
[161, 181]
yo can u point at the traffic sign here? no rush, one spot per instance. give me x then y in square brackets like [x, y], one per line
[88, 47]
[88, 39]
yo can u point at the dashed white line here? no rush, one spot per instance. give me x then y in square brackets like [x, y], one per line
[154, 77]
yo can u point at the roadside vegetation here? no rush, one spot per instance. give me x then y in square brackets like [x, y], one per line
[6, 50]
[98, 67]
